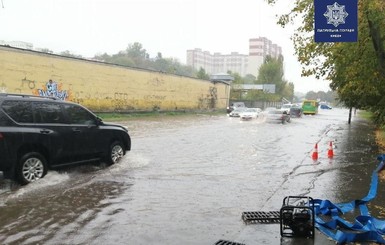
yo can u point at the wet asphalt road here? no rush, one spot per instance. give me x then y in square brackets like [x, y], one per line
[188, 179]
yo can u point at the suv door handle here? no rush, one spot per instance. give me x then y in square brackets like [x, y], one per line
[76, 130]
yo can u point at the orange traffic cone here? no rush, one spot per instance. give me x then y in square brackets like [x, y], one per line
[315, 152]
[330, 151]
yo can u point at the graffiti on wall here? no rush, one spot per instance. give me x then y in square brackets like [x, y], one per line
[27, 82]
[120, 101]
[208, 101]
[213, 97]
[53, 89]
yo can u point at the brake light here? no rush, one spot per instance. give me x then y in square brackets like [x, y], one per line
[1, 136]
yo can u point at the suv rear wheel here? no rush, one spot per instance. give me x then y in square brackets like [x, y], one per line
[115, 153]
[32, 166]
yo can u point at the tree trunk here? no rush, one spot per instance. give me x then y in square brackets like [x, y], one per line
[375, 34]
[350, 115]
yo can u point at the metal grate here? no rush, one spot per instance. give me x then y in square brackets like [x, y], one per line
[261, 217]
[224, 242]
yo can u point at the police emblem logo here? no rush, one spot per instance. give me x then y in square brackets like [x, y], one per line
[336, 14]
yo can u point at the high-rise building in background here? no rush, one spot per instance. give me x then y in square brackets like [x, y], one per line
[217, 62]
[259, 48]
[242, 64]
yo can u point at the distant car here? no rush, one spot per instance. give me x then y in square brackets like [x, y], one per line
[277, 116]
[326, 107]
[296, 111]
[235, 105]
[250, 113]
[236, 112]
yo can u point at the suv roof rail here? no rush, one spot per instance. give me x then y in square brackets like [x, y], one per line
[28, 96]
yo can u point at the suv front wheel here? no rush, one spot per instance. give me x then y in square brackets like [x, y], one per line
[32, 166]
[115, 153]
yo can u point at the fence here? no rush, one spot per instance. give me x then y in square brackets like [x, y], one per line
[260, 104]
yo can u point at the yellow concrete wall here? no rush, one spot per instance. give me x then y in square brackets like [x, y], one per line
[103, 87]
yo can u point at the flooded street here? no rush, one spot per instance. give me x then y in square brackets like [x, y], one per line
[188, 179]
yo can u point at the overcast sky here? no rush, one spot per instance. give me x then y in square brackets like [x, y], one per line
[89, 27]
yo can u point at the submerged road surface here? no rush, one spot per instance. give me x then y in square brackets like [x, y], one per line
[188, 179]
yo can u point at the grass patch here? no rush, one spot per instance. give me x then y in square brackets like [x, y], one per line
[380, 131]
[380, 138]
[150, 115]
[365, 114]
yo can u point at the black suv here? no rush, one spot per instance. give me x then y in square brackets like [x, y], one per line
[38, 133]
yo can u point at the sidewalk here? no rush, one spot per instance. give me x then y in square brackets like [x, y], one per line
[342, 179]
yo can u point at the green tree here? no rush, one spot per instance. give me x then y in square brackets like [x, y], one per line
[288, 91]
[122, 59]
[272, 72]
[237, 78]
[160, 64]
[356, 70]
[136, 56]
[137, 53]
[201, 74]
[46, 50]
[69, 54]
[250, 79]
[236, 93]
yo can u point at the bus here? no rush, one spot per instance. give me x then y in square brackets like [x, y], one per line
[310, 107]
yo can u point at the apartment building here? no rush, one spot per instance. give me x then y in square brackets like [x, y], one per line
[217, 62]
[259, 48]
[242, 64]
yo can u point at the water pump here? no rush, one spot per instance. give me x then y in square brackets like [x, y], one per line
[297, 217]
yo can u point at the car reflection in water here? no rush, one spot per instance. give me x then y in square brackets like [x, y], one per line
[250, 113]
[277, 116]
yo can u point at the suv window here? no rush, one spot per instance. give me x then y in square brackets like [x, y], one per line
[20, 111]
[4, 120]
[48, 113]
[79, 115]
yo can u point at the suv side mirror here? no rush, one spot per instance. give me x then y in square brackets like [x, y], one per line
[99, 121]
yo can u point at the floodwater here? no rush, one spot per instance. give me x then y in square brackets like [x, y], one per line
[188, 179]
